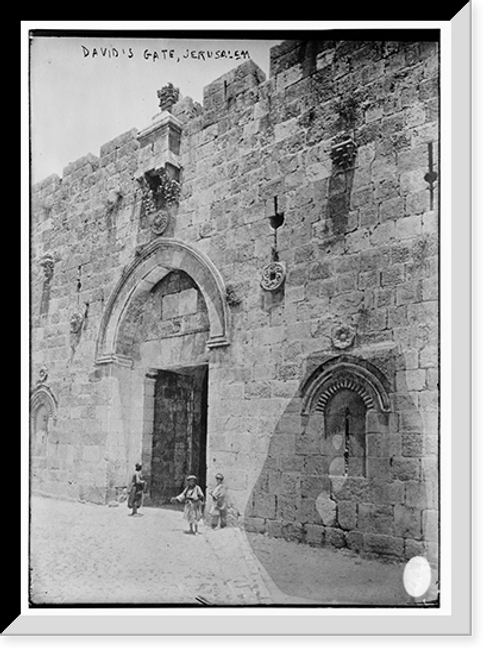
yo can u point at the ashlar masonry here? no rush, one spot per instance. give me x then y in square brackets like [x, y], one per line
[250, 285]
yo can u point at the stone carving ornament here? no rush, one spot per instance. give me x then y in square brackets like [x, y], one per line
[48, 263]
[76, 322]
[344, 153]
[231, 296]
[168, 96]
[159, 191]
[159, 222]
[42, 374]
[273, 276]
[342, 336]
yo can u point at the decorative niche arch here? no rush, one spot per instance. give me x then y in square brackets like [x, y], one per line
[345, 372]
[43, 395]
[148, 268]
[42, 402]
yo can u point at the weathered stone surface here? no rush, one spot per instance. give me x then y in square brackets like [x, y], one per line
[314, 534]
[360, 248]
[347, 515]
[383, 544]
[407, 522]
[335, 537]
[406, 469]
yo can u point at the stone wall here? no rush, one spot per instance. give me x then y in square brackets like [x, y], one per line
[335, 144]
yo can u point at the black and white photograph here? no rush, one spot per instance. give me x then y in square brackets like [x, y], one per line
[239, 390]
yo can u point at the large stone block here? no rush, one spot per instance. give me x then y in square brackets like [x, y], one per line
[350, 489]
[414, 548]
[335, 537]
[378, 469]
[374, 518]
[383, 493]
[289, 485]
[314, 534]
[347, 515]
[254, 525]
[308, 513]
[383, 545]
[406, 469]
[415, 494]
[407, 522]
[264, 505]
[292, 531]
[274, 528]
[412, 445]
[430, 525]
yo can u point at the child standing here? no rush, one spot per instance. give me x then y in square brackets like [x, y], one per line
[219, 508]
[135, 499]
[193, 497]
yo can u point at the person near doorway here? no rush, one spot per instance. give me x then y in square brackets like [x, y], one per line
[136, 489]
[219, 507]
[193, 498]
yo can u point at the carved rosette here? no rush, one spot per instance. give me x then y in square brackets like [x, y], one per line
[159, 222]
[273, 276]
[343, 336]
[47, 262]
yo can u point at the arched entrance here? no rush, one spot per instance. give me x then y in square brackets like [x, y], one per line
[166, 314]
[148, 268]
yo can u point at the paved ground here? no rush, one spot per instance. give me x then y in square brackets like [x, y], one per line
[88, 554]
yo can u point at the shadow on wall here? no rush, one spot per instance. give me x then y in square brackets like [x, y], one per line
[349, 465]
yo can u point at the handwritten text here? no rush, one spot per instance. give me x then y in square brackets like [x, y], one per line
[170, 54]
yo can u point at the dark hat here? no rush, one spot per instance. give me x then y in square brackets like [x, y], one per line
[138, 466]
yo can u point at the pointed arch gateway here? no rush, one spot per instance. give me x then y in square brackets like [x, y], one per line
[149, 267]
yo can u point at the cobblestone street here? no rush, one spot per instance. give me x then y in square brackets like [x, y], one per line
[89, 554]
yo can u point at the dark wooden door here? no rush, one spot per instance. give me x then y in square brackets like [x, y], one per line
[179, 433]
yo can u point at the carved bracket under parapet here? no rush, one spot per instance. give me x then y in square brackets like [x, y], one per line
[159, 190]
[47, 262]
[344, 153]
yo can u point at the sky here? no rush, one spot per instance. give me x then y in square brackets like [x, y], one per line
[85, 91]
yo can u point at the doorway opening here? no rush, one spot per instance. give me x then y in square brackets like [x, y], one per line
[178, 446]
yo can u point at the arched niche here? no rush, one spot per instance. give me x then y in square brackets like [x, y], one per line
[148, 268]
[345, 373]
[346, 408]
[43, 414]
